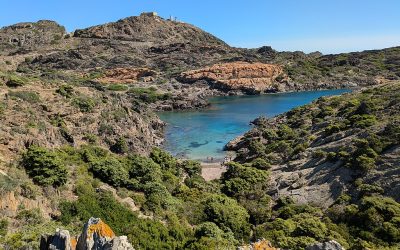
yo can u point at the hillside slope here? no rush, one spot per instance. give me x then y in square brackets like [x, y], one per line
[347, 144]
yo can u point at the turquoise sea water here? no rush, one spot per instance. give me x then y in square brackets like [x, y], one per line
[201, 134]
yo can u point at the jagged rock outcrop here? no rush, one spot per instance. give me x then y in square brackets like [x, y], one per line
[248, 77]
[96, 235]
[61, 240]
[151, 29]
[31, 35]
[330, 245]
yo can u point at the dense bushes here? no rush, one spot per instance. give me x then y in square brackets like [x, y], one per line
[110, 170]
[44, 167]
[148, 95]
[228, 215]
[239, 180]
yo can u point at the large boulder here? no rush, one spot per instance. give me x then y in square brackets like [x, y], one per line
[61, 240]
[96, 235]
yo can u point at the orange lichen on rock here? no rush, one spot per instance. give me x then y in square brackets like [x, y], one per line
[73, 243]
[259, 245]
[126, 75]
[263, 245]
[101, 229]
[237, 75]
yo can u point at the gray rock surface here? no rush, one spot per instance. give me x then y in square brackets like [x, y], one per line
[96, 235]
[330, 245]
[61, 240]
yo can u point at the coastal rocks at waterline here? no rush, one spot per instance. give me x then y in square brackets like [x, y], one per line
[247, 77]
[95, 235]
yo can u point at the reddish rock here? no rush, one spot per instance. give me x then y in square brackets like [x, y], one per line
[253, 77]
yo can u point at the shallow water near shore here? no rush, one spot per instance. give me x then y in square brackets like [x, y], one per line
[201, 134]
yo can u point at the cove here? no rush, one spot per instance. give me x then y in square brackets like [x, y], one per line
[200, 134]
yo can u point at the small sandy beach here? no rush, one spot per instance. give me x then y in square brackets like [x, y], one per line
[212, 171]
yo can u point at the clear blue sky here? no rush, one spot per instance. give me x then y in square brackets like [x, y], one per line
[330, 26]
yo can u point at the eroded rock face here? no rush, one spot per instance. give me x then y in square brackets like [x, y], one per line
[96, 235]
[248, 77]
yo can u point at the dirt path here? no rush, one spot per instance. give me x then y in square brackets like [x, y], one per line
[212, 171]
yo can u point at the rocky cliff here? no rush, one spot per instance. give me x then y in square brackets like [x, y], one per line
[247, 77]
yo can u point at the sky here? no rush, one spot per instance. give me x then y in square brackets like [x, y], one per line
[328, 26]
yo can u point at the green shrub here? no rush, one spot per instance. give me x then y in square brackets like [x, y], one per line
[332, 157]
[117, 87]
[33, 216]
[84, 103]
[319, 154]
[261, 164]
[228, 215]
[148, 95]
[208, 229]
[282, 147]
[165, 160]
[27, 96]
[256, 148]
[367, 189]
[362, 121]
[15, 81]
[143, 170]
[44, 167]
[239, 180]
[157, 197]
[29, 190]
[110, 170]
[326, 111]
[286, 133]
[192, 168]
[392, 131]
[66, 91]
[7, 184]
[90, 138]
[364, 163]
[120, 146]
[302, 147]
[3, 227]
[333, 129]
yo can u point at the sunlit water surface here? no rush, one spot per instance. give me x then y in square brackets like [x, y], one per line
[201, 134]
